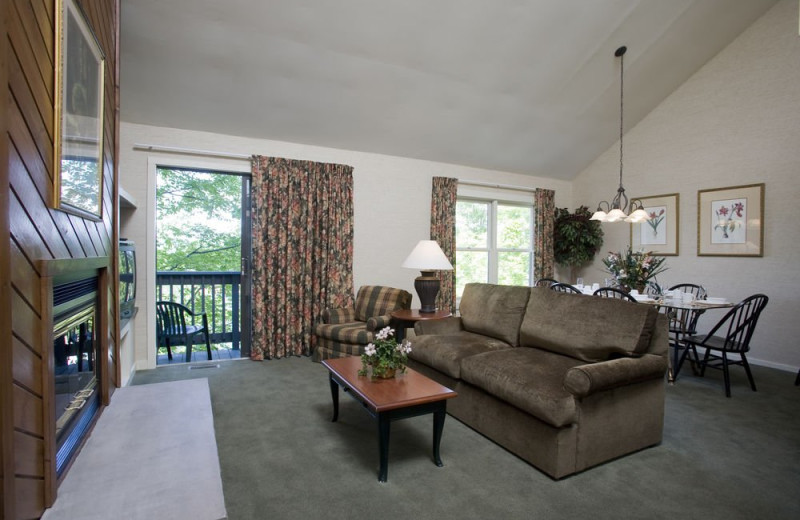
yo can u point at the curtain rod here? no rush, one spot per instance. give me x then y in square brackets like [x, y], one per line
[499, 186]
[191, 151]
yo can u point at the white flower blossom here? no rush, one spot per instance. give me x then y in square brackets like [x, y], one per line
[384, 333]
[369, 350]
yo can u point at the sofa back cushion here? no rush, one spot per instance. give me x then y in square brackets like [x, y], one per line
[494, 310]
[377, 300]
[589, 328]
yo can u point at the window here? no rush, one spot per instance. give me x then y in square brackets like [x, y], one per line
[494, 243]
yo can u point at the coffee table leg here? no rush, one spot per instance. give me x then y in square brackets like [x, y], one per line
[335, 396]
[384, 424]
[438, 427]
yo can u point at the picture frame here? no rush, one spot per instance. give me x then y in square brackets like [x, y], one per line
[78, 142]
[730, 221]
[661, 233]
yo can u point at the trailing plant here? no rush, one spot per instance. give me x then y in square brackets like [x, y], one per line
[576, 239]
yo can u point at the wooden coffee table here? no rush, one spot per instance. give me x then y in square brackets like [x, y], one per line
[406, 395]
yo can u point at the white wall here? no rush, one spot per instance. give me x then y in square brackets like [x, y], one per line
[391, 204]
[735, 122]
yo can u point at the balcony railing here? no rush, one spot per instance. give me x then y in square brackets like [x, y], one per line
[215, 293]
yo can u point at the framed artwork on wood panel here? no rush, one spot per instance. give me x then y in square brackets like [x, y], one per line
[78, 154]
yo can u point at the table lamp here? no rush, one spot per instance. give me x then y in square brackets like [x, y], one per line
[428, 257]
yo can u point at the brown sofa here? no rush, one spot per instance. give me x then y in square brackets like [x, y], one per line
[563, 381]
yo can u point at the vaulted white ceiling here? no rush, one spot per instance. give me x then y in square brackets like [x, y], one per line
[520, 86]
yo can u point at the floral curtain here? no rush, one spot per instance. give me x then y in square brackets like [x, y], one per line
[443, 230]
[544, 209]
[302, 216]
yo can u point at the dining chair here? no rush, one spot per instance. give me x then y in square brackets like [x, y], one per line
[698, 291]
[544, 282]
[610, 292]
[172, 329]
[565, 288]
[737, 326]
[683, 322]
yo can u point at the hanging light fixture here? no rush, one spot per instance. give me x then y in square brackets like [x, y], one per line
[617, 210]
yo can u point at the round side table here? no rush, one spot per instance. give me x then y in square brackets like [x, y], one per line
[406, 318]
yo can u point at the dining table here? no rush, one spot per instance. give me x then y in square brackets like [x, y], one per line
[682, 312]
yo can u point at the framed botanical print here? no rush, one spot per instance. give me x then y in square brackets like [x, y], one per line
[730, 221]
[660, 233]
[78, 168]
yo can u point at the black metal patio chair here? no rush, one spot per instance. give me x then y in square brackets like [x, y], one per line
[172, 329]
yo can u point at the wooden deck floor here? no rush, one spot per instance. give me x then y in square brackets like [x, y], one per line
[198, 355]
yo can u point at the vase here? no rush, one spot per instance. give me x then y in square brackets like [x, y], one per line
[386, 374]
[640, 288]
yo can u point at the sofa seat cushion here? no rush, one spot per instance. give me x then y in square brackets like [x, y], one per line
[494, 310]
[587, 327]
[444, 352]
[528, 378]
[354, 332]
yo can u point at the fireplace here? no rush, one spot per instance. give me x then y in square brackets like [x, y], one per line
[75, 364]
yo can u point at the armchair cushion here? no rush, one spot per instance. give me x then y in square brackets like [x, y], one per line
[354, 332]
[341, 315]
[377, 300]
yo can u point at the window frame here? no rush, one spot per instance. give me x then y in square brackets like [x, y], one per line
[492, 236]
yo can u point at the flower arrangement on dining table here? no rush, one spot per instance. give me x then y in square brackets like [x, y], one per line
[633, 269]
[385, 355]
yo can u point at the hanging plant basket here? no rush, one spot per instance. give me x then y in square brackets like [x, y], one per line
[576, 239]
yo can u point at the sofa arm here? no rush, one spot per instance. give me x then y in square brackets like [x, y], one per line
[340, 315]
[449, 325]
[376, 323]
[588, 379]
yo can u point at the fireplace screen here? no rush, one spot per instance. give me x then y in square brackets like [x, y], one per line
[76, 376]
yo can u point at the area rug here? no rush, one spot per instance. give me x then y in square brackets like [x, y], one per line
[152, 454]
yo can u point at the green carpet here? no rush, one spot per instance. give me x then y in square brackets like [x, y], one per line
[281, 457]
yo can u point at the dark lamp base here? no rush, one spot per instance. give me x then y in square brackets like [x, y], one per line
[427, 287]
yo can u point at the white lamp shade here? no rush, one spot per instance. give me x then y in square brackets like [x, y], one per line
[615, 215]
[639, 215]
[599, 215]
[428, 256]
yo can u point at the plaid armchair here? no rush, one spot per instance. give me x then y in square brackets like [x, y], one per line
[346, 331]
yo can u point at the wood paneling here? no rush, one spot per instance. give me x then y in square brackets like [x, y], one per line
[32, 465]
[27, 366]
[7, 455]
[28, 413]
[29, 497]
[32, 231]
[30, 27]
[26, 326]
[25, 276]
[37, 84]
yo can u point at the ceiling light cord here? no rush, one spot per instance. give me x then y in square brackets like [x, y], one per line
[621, 106]
[616, 210]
